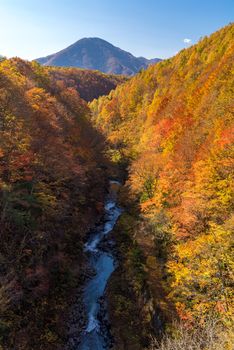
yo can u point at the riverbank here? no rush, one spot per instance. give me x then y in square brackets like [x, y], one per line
[137, 304]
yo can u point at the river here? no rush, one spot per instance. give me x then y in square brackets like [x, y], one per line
[96, 336]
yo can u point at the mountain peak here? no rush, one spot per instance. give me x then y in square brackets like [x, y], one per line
[98, 54]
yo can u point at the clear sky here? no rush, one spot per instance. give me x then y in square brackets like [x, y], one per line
[150, 28]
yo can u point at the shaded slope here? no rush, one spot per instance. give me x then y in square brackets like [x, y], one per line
[51, 192]
[90, 84]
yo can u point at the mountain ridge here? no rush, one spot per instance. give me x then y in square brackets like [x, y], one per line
[98, 54]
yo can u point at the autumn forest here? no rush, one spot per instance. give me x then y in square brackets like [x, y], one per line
[164, 140]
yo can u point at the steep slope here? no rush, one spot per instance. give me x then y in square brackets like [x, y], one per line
[98, 54]
[173, 124]
[51, 192]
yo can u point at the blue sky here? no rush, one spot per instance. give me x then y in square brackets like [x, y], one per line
[150, 28]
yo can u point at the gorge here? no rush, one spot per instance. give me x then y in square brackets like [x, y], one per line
[116, 204]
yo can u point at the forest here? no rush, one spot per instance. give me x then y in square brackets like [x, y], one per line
[167, 133]
[172, 127]
[52, 183]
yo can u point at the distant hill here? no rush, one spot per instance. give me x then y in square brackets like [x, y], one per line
[98, 54]
[89, 83]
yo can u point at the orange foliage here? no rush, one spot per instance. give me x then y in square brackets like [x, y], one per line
[174, 124]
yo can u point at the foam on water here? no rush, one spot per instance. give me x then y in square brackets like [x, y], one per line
[103, 264]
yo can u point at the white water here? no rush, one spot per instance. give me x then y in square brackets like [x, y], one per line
[103, 264]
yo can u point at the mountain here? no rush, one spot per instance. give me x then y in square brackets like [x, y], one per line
[172, 125]
[51, 191]
[98, 54]
[167, 134]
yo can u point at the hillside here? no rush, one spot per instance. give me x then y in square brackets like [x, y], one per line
[165, 139]
[172, 126]
[90, 84]
[97, 54]
[51, 192]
